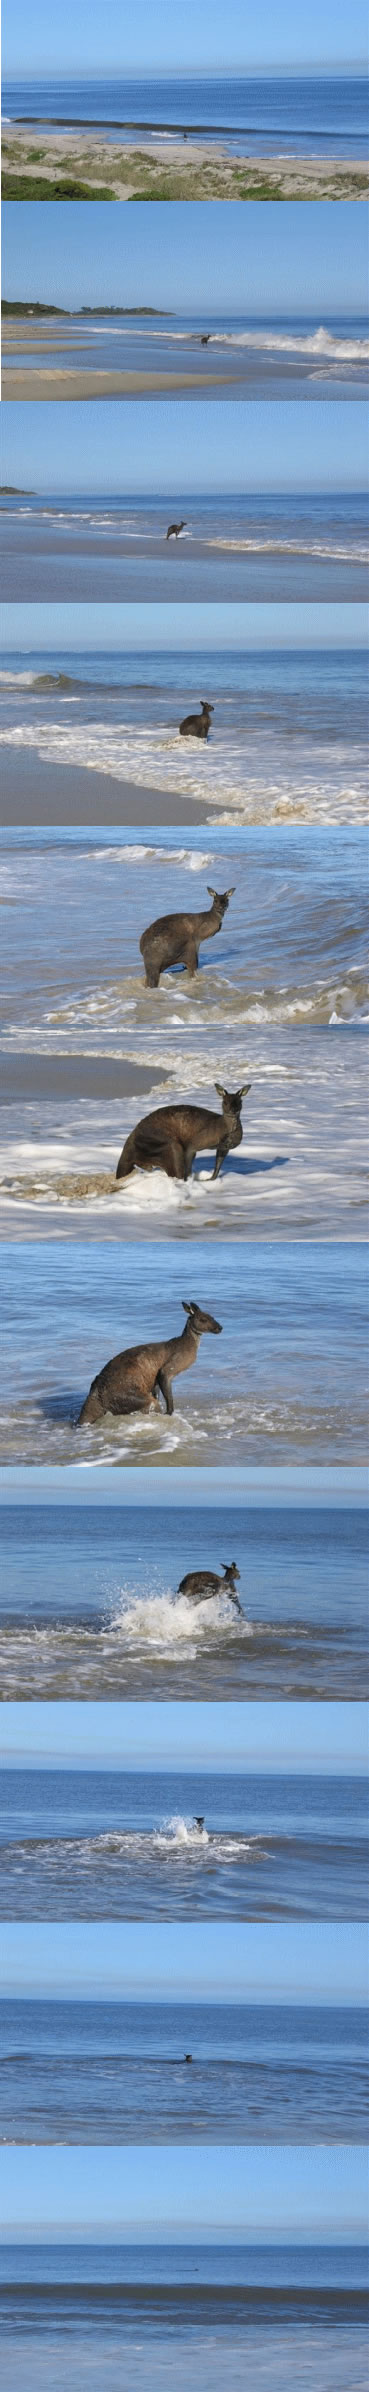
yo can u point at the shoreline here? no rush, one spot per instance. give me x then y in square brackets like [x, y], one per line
[189, 169]
[34, 793]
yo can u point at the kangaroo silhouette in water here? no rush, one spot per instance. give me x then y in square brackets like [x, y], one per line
[168, 1139]
[197, 726]
[176, 938]
[135, 1379]
[174, 529]
[200, 1585]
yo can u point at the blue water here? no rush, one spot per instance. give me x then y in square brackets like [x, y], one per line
[292, 356]
[312, 116]
[85, 1844]
[270, 545]
[75, 2071]
[287, 727]
[89, 1605]
[286, 1381]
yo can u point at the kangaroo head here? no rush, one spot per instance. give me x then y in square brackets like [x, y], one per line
[205, 706]
[221, 901]
[200, 1321]
[232, 1103]
[231, 1570]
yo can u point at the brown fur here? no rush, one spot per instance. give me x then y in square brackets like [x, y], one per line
[168, 1139]
[200, 1585]
[133, 1380]
[176, 938]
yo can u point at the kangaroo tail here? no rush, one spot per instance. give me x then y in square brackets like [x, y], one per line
[92, 1408]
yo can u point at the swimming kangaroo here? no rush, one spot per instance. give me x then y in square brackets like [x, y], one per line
[168, 1139]
[174, 529]
[176, 938]
[136, 1378]
[197, 726]
[200, 1585]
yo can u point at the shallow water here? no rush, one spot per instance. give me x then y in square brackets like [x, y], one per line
[289, 734]
[292, 950]
[295, 356]
[286, 1382]
[269, 545]
[89, 1605]
[93, 1845]
[308, 116]
[77, 2071]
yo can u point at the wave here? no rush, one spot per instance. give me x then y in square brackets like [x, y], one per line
[316, 344]
[177, 1837]
[357, 553]
[250, 777]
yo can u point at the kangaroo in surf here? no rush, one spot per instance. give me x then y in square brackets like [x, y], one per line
[174, 529]
[168, 1139]
[197, 726]
[176, 938]
[200, 1585]
[135, 1379]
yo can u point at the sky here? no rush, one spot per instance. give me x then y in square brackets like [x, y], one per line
[293, 259]
[314, 1485]
[92, 447]
[193, 1962]
[86, 39]
[153, 625]
[320, 1737]
[312, 2190]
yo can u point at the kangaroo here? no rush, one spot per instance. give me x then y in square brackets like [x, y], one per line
[197, 726]
[176, 938]
[174, 529]
[200, 1585]
[205, 337]
[168, 1139]
[133, 1380]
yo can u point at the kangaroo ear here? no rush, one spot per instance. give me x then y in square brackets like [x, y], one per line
[219, 1091]
[188, 1307]
[246, 1084]
[211, 892]
[230, 892]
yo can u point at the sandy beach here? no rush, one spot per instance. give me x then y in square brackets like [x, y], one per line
[39, 380]
[34, 792]
[47, 163]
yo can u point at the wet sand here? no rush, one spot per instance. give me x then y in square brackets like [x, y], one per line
[35, 792]
[31, 1076]
[189, 169]
[60, 382]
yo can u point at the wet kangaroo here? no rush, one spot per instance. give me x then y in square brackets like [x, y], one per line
[200, 1585]
[174, 529]
[135, 1379]
[169, 1138]
[176, 938]
[197, 726]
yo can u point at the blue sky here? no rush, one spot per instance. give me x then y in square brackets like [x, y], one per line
[86, 39]
[194, 1962]
[311, 2190]
[190, 1486]
[231, 1736]
[94, 447]
[214, 259]
[155, 625]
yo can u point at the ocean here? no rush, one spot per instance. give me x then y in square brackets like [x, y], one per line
[108, 1844]
[138, 2318]
[286, 1383]
[89, 1607]
[291, 357]
[76, 2071]
[292, 951]
[268, 545]
[289, 734]
[321, 116]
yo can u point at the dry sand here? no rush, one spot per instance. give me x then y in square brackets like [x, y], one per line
[188, 170]
[53, 382]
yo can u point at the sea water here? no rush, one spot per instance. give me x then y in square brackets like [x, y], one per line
[294, 356]
[90, 1608]
[140, 2317]
[289, 731]
[302, 115]
[93, 1844]
[75, 2071]
[286, 1380]
[280, 545]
